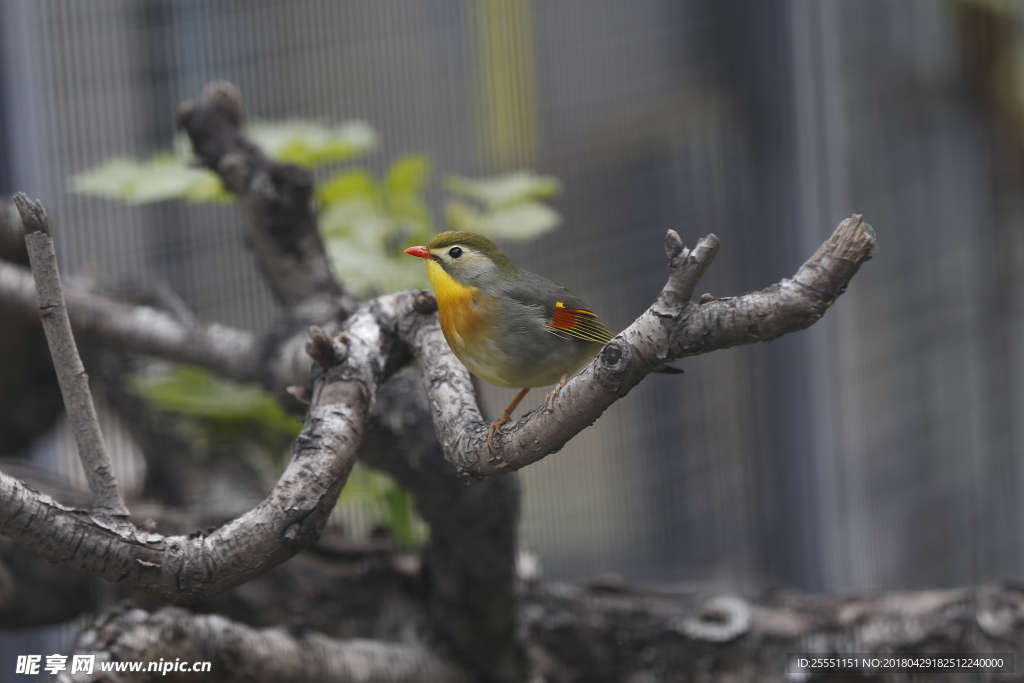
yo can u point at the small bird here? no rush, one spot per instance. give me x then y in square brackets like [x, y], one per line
[510, 327]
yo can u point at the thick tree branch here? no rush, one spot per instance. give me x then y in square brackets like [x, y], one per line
[278, 202]
[671, 328]
[609, 633]
[74, 383]
[606, 632]
[237, 652]
[469, 562]
[289, 519]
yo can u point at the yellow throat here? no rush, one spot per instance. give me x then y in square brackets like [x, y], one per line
[450, 292]
[463, 313]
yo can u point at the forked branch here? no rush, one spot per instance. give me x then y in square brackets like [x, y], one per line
[673, 327]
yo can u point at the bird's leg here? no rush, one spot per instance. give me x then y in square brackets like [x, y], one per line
[505, 417]
[550, 400]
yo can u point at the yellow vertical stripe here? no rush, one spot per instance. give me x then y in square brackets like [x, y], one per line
[504, 82]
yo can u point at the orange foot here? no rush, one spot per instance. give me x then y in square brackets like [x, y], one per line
[549, 401]
[495, 428]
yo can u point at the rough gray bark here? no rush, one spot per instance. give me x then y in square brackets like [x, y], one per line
[606, 632]
[143, 329]
[281, 226]
[74, 383]
[609, 633]
[469, 562]
[237, 652]
[30, 401]
[290, 518]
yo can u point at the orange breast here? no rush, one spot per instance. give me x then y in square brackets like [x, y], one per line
[461, 309]
[462, 321]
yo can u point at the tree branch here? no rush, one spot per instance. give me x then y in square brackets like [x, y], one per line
[232, 353]
[237, 652]
[469, 562]
[74, 382]
[609, 633]
[471, 612]
[671, 328]
[278, 201]
[289, 519]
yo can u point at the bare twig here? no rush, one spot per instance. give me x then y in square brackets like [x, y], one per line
[74, 383]
[671, 328]
[237, 652]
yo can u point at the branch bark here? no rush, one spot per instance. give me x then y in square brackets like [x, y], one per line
[74, 383]
[233, 353]
[673, 327]
[469, 562]
[278, 201]
[237, 652]
[289, 519]
[608, 633]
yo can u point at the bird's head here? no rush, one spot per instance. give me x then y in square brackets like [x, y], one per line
[466, 257]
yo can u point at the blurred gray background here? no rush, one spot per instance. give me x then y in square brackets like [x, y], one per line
[880, 449]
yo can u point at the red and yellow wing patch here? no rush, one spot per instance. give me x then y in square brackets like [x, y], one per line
[579, 323]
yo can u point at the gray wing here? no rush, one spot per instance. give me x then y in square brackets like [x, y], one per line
[564, 313]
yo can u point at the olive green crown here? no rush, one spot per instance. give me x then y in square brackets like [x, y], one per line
[474, 241]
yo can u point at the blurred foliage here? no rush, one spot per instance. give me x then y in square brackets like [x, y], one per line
[219, 411]
[510, 207]
[164, 176]
[366, 223]
[309, 145]
[385, 504]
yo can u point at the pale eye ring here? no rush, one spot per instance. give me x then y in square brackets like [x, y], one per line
[455, 252]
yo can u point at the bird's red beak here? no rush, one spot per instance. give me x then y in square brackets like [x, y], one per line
[419, 251]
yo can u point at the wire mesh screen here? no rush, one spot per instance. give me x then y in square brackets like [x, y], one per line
[878, 448]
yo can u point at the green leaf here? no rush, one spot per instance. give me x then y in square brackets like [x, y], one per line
[109, 179]
[407, 176]
[519, 222]
[402, 520]
[409, 214]
[162, 178]
[195, 392]
[347, 186]
[504, 190]
[309, 144]
[387, 503]
[360, 261]
[364, 223]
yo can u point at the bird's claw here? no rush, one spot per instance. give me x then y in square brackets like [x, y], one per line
[494, 429]
[549, 401]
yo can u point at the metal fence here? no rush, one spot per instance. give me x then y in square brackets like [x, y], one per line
[878, 449]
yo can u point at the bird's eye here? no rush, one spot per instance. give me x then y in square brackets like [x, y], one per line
[455, 252]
